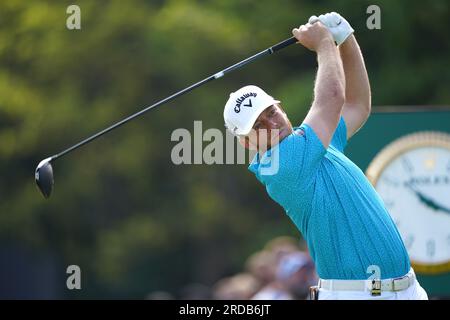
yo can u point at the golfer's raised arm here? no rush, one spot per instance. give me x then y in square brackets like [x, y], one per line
[329, 89]
[357, 104]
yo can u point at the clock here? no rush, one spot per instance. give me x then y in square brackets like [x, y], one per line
[412, 176]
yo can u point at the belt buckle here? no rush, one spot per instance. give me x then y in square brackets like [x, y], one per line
[314, 293]
[376, 287]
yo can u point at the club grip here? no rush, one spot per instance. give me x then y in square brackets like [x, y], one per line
[283, 44]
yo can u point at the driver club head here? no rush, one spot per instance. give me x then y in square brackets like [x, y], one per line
[44, 177]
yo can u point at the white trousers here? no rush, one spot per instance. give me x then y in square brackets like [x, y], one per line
[414, 292]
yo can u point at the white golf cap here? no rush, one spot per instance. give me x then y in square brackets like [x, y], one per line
[244, 107]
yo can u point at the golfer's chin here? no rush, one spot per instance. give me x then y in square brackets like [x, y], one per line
[283, 133]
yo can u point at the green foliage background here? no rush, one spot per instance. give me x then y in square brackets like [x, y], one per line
[133, 221]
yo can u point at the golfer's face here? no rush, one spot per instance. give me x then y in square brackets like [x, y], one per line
[270, 128]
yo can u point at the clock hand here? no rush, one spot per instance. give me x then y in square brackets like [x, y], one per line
[424, 199]
[427, 201]
[447, 210]
[442, 208]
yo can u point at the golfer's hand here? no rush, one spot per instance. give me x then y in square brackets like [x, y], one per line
[336, 24]
[313, 36]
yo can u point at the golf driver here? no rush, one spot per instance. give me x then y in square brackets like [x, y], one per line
[44, 170]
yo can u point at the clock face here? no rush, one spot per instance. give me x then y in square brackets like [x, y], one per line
[412, 177]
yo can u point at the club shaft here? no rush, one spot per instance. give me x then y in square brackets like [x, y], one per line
[217, 75]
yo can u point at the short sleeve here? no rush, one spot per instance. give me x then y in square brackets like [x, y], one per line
[339, 140]
[299, 156]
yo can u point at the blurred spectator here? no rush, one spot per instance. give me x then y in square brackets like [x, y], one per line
[239, 287]
[283, 245]
[262, 265]
[296, 272]
[283, 270]
[274, 290]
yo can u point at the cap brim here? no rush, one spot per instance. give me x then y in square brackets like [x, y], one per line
[245, 131]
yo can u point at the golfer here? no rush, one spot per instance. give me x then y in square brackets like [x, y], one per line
[357, 249]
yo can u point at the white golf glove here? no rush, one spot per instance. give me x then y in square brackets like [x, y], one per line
[336, 24]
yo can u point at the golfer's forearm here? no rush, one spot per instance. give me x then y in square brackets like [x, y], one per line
[357, 90]
[329, 90]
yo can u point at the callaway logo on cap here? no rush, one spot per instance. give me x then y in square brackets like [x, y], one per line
[244, 107]
[239, 101]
